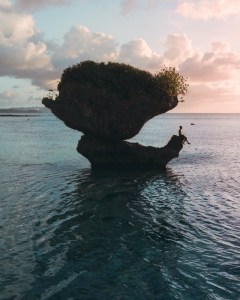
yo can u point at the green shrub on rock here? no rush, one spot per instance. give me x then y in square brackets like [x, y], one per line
[124, 80]
[171, 82]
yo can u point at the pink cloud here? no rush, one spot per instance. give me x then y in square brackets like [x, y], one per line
[23, 53]
[82, 44]
[178, 49]
[127, 6]
[206, 9]
[36, 4]
[139, 54]
[216, 65]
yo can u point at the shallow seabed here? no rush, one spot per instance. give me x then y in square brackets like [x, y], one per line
[68, 232]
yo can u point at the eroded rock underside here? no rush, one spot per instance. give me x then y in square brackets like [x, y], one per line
[121, 154]
[110, 103]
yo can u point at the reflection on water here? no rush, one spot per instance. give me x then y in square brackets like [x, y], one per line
[111, 235]
[104, 233]
[100, 230]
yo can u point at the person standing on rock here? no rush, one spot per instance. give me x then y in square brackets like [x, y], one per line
[184, 138]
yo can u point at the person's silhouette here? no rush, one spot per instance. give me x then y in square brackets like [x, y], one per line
[184, 138]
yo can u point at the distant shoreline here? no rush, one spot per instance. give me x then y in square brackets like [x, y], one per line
[18, 115]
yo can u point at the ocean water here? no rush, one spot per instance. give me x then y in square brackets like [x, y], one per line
[67, 232]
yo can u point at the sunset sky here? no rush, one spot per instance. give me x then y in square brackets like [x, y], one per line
[38, 39]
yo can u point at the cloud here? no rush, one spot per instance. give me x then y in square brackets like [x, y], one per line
[209, 92]
[178, 49]
[207, 9]
[15, 28]
[128, 6]
[23, 53]
[7, 95]
[8, 98]
[219, 64]
[5, 5]
[81, 44]
[36, 4]
[139, 54]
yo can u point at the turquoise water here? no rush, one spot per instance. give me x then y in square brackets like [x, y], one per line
[67, 232]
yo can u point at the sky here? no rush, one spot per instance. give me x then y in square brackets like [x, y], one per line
[201, 38]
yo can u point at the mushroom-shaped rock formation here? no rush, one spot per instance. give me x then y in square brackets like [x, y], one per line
[110, 103]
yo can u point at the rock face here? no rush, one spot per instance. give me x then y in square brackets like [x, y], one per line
[110, 103]
[122, 154]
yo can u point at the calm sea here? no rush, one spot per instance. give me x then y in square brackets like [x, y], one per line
[67, 232]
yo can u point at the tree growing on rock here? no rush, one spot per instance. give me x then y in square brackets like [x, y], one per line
[170, 81]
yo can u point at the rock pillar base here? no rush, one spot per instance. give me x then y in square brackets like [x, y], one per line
[121, 154]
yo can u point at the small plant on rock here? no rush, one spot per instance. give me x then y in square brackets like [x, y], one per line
[52, 94]
[171, 82]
